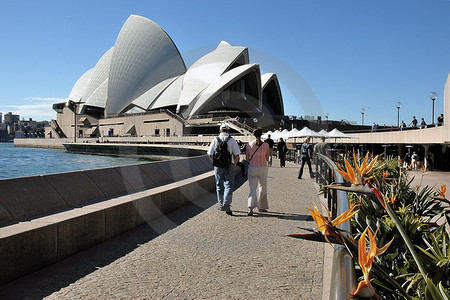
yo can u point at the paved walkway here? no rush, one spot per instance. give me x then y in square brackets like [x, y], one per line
[198, 252]
[432, 179]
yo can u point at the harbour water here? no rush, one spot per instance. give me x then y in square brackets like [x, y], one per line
[20, 161]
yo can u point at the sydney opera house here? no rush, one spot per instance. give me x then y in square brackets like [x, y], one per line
[141, 87]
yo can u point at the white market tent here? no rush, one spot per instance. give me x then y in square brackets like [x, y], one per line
[275, 135]
[266, 135]
[306, 132]
[323, 132]
[336, 134]
[284, 134]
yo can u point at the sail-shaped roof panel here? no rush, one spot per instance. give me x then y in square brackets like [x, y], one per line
[146, 100]
[272, 100]
[144, 55]
[99, 74]
[209, 68]
[223, 82]
[98, 98]
[170, 96]
[80, 86]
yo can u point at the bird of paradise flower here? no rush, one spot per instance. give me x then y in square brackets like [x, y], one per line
[365, 259]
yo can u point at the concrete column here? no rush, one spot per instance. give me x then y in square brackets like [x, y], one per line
[400, 150]
[427, 150]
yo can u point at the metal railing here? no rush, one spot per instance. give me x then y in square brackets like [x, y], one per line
[343, 279]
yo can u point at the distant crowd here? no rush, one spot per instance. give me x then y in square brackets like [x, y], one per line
[415, 123]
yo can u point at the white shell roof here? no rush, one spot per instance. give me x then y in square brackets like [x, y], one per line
[80, 86]
[208, 69]
[99, 96]
[170, 95]
[265, 79]
[146, 99]
[99, 74]
[218, 85]
[144, 55]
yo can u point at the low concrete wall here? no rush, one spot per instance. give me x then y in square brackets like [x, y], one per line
[51, 217]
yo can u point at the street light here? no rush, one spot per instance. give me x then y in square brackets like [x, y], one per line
[326, 116]
[433, 96]
[362, 116]
[398, 104]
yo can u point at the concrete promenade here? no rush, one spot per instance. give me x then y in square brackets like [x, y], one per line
[199, 252]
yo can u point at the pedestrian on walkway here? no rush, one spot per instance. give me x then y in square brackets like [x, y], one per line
[282, 150]
[423, 124]
[413, 122]
[306, 153]
[321, 148]
[415, 160]
[257, 153]
[440, 119]
[270, 142]
[224, 152]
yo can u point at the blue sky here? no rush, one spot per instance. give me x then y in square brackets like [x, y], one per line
[330, 56]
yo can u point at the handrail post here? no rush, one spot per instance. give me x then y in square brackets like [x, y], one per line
[343, 279]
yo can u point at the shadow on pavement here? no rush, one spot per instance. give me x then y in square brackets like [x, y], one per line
[46, 281]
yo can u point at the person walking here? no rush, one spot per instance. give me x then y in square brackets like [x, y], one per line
[423, 124]
[440, 119]
[415, 160]
[306, 153]
[321, 148]
[270, 142]
[282, 150]
[224, 152]
[257, 154]
[413, 122]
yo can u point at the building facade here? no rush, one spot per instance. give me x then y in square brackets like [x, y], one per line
[141, 86]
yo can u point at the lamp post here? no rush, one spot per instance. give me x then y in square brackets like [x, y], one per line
[362, 116]
[398, 104]
[433, 96]
[73, 104]
[326, 116]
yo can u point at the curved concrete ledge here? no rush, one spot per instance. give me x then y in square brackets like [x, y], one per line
[157, 150]
[51, 217]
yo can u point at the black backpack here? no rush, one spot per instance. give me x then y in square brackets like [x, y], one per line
[221, 156]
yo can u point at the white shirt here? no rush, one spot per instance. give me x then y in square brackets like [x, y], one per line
[232, 145]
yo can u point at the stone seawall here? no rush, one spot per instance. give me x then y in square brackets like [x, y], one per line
[47, 218]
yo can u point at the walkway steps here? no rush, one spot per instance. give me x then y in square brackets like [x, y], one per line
[198, 252]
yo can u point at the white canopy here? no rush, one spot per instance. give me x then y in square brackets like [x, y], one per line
[284, 134]
[306, 132]
[292, 133]
[276, 135]
[266, 135]
[323, 132]
[338, 134]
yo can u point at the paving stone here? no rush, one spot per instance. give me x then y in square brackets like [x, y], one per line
[198, 252]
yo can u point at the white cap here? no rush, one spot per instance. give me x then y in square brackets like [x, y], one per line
[224, 126]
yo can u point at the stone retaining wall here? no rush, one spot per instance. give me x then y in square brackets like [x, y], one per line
[50, 217]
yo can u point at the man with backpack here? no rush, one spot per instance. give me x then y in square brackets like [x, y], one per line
[306, 153]
[224, 152]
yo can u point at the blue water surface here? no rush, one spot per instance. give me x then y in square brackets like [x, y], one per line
[21, 161]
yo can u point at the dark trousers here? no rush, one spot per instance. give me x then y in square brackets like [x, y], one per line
[282, 160]
[308, 161]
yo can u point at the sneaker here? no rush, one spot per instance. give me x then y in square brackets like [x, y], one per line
[263, 210]
[221, 208]
[250, 212]
[229, 212]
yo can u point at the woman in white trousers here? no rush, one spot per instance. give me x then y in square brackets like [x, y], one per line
[257, 153]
